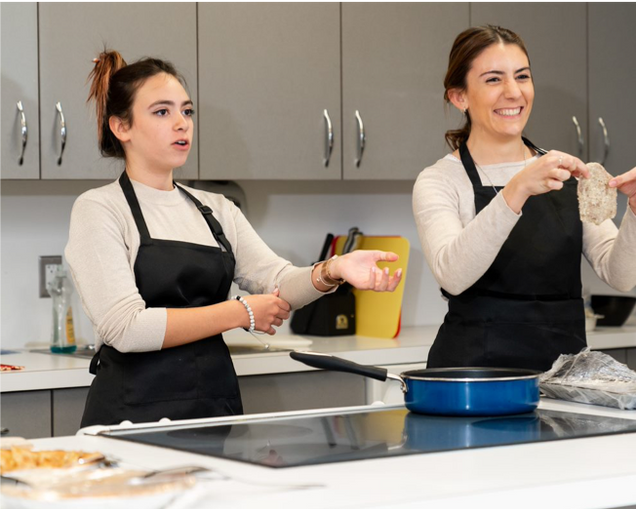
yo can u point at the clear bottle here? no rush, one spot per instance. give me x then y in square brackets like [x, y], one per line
[63, 333]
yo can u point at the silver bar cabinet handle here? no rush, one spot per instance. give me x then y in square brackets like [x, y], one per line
[58, 107]
[579, 136]
[23, 131]
[328, 138]
[361, 139]
[606, 141]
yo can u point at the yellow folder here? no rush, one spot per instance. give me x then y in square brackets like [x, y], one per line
[378, 314]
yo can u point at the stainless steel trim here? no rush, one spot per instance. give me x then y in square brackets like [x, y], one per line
[606, 140]
[129, 427]
[399, 379]
[360, 140]
[23, 131]
[58, 107]
[579, 136]
[328, 138]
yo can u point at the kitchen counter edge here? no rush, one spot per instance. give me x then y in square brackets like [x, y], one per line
[46, 372]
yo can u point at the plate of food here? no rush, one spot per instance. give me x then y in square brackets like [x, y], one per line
[56, 479]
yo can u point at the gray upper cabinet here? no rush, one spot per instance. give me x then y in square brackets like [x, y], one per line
[71, 35]
[269, 75]
[19, 128]
[264, 119]
[309, 91]
[556, 39]
[612, 69]
[394, 59]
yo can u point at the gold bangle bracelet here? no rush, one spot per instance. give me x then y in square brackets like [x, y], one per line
[319, 279]
[326, 275]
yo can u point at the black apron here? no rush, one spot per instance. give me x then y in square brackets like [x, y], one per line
[185, 382]
[527, 308]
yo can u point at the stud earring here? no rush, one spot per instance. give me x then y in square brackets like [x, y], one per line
[464, 111]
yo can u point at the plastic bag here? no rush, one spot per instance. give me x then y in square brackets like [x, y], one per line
[593, 378]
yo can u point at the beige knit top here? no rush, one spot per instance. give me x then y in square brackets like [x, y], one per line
[103, 245]
[460, 247]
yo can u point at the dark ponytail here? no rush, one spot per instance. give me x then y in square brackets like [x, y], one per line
[113, 88]
[467, 46]
[107, 64]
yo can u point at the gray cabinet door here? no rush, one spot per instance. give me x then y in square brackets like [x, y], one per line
[300, 391]
[20, 84]
[555, 37]
[267, 73]
[71, 35]
[27, 414]
[612, 70]
[68, 408]
[394, 58]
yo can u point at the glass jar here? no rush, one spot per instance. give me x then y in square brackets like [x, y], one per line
[62, 333]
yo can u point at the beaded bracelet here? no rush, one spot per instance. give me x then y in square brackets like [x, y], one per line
[249, 312]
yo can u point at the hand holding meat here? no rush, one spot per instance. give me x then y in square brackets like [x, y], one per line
[542, 176]
[626, 184]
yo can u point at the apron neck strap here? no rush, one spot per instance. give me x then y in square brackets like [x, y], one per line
[540, 151]
[214, 225]
[131, 198]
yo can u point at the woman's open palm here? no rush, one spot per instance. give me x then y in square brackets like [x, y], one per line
[359, 268]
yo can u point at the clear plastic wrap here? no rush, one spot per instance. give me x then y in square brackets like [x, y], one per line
[593, 378]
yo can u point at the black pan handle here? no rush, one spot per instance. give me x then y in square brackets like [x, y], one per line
[331, 363]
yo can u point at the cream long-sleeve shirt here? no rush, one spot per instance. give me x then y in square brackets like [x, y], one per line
[103, 245]
[460, 246]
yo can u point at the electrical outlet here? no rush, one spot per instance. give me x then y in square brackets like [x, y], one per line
[47, 268]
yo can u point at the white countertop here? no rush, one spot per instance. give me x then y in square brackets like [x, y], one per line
[582, 473]
[45, 371]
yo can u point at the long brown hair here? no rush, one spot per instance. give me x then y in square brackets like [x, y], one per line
[113, 88]
[467, 47]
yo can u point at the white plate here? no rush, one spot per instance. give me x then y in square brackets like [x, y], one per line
[156, 501]
[98, 488]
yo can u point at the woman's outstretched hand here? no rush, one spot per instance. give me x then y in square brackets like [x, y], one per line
[359, 269]
[626, 184]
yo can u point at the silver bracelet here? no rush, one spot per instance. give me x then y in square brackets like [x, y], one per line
[249, 312]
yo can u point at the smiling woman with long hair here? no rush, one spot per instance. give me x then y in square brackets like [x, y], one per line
[499, 223]
[153, 261]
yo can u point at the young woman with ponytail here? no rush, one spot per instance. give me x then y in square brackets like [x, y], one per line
[499, 222]
[153, 261]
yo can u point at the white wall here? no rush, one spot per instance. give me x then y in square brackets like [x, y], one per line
[295, 217]
[35, 220]
[292, 217]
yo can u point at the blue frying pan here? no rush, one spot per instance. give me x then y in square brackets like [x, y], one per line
[449, 391]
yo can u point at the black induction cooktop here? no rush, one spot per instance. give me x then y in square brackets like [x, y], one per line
[311, 440]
